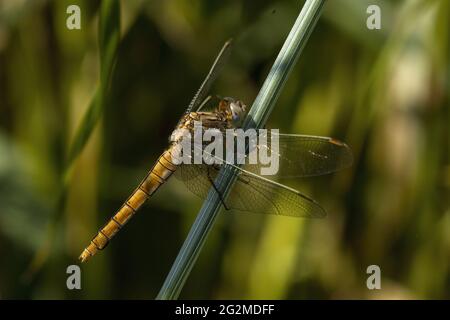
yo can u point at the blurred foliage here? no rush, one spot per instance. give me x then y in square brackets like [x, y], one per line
[384, 92]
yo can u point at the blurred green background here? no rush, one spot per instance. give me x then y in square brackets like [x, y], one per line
[384, 92]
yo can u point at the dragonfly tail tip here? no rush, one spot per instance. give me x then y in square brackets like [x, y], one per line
[84, 256]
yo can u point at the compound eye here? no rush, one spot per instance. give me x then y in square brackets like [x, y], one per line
[235, 116]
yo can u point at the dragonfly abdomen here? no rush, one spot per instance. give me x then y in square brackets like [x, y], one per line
[160, 172]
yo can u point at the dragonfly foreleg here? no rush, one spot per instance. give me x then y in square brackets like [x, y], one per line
[217, 190]
[208, 98]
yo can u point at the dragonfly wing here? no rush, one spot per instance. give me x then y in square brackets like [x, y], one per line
[217, 66]
[298, 155]
[251, 193]
[195, 177]
[304, 156]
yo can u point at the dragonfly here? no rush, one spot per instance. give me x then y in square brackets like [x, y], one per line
[299, 156]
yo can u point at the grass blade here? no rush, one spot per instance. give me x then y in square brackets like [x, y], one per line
[257, 117]
[109, 37]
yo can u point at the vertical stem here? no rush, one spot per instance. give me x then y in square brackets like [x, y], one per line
[256, 118]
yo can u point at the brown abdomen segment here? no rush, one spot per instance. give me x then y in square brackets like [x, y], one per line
[160, 172]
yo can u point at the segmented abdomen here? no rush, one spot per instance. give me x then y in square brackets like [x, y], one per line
[160, 172]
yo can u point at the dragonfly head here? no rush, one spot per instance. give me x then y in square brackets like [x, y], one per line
[234, 109]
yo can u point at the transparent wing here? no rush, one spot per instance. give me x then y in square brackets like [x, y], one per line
[211, 76]
[304, 156]
[299, 155]
[251, 193]
[209, 104]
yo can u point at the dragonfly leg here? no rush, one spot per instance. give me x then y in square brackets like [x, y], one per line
[204, 103]
[218, 192]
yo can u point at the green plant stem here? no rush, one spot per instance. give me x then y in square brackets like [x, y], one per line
[109, 37]
[256, 118]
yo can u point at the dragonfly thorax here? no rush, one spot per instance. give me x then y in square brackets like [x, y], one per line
[233, 110]
[228, 114]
